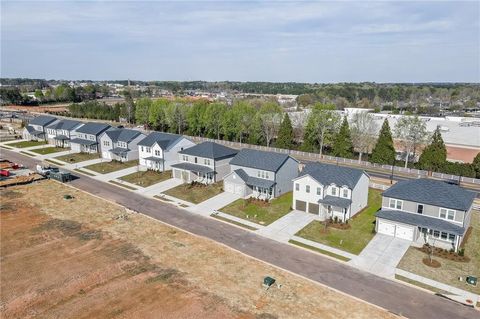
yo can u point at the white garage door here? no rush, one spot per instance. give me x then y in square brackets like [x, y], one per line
[106, 154]
[386, 228]
[404, 232]
[229, 188]
[240, 190]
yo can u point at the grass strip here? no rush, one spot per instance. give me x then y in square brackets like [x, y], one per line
[83, 172]
[122, 185]
[421, 285]
[233, 222]
[6, 147]
[318, 250]
[28, 154]
[54, 162]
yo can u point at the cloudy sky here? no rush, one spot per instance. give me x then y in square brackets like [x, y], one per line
[431, 41]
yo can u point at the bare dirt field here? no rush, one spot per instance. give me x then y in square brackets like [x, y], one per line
[60, 107]
[88, 258]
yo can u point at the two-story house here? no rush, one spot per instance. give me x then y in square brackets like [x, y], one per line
[88, 137]
[120, 144]
[206, 163]
[61, 132]
[158, 151]
[426, 211]
[36, 128]
[330, 191]
[260, 174]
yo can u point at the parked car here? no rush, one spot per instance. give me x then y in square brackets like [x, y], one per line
[46, 170]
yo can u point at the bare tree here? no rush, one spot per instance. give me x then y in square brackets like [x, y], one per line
[411, 131]
[363, 130]
[270, 123]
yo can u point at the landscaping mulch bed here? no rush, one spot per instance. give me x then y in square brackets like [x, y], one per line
[433, 264]
[445, 254]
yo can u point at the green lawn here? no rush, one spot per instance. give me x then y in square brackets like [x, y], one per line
[195, 194]
[260, 213]
[112, 166]
[78, 157]
[49, 150]
[24, 144]
[318, 250]
[354, 239]
[147, 178]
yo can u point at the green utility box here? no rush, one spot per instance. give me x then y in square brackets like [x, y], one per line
[471, 280]
[61, 176]
[268, 281]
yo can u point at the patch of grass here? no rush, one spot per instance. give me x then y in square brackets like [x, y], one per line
[49, 150]
[122, 185]
[83, 172]
[195, 193]
[233, 222]
[258, 212]
[54, 162]
[321, 251]
[421, 285]
[147, 178]
[28, 154]
[24, 144]
[112, 166]
[353, 239]
[78, 157]
[6, 147]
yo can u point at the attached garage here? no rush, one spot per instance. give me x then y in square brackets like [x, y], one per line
[397, 230]
[385, 228]
[301, 205]
[234, 188]
[177, 173]
[106, 154]
[313, 208]
[404, 232]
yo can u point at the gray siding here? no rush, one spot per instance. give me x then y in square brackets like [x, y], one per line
[360, 195]
[222, 168]
[284, 177]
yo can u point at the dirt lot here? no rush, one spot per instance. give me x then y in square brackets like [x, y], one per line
[87, 258]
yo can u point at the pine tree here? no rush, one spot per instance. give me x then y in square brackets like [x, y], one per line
[384, 152]
[434, 156]
[343, 146]
[476, 165]
[285, 134]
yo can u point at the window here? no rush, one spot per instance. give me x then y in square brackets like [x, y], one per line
[396, 203]
[148, 150]
[185, 158]
[345, 193]
[447, 214]
[297, 186]
[436, 233]
[420, 209]
[157, 152]
[266, 175]
[451, 237]
[319, 191]
[334, 191]
[444, 235]
[206, 161]
[141, 147]
[307, 188]
[258, 173]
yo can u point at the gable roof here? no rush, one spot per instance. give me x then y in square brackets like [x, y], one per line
[122, 134]
[42, 120]
[327, 174]
[210, 150]
[65, 125]
[93, 128]
[164, 140]
[432, 192]
[269, 161]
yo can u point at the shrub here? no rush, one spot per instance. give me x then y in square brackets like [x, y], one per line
[461, 252]
[335, 219]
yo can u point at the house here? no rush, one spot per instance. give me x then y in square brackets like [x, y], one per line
[159, 150]
[260, 174]
[330, 191]
[61, 132]
[206, 163]
[35, 130]
[426, 211]
[88, 137]
[120, 144]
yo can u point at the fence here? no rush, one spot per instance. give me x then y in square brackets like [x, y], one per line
[339, 160]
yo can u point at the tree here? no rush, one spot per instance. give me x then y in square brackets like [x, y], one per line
[270, 116]
[129, 106]
[285, 134]
[411, 131]
[363, 131]
[243, 114]
[384, 151]
[156, 114]
[195, 117]
[342, 146]
[434, 156]
[214, 115]
[476, 165]
[142, 110]
[176, 116]
[321, 126]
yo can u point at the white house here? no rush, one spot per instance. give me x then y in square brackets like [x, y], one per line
[88, 137]
[61, 132]
[120, 144]
[36, 128]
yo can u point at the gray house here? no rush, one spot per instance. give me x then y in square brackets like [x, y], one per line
[159, 150]
[426, 211]
[330, 191]
[120, 144]
[88, 137]
[206, 163]
[260, 174]
[61, 132]
[36, 128]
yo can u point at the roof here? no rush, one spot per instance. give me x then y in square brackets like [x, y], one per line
[43, 120]
[65, 125]
[33, 131]
[210, 150]
[193, 167]
[336, 201]
[81, 141]
[93, 128]
[154, 159]
[432, 192]
[327, 174]
[122, 134]
[164, 140]
[254, 181]
[268, 161]
[119, 150]
[420, 220]
[61, 138]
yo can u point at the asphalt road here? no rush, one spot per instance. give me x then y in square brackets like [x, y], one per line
[395, 297]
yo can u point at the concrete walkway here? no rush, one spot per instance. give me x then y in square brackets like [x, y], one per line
[382, 255]
[286, 227]
[206, 208]
[82, 164]
[159, 188]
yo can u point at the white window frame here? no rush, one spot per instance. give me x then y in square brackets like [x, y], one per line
[423, 209]
[447, 214]
[343, 192]
[297, 187]
[396, 202]
[307, 188]
[319, 191]
[334, 190]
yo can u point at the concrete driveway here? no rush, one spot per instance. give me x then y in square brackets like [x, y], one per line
[284, 228]
[207, 207]
[382, 255]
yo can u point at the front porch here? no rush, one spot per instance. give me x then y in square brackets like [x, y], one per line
[61, 141]
[119, 154]
[334, 208]
[437, 238]
[154, 163]
[263, 193]
[84, 146]
[189, 173]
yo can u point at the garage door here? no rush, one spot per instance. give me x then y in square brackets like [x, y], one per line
[301, 205]
[229, 187]
[386, 228]
[240, 190]
[313, 208]
[404, 232]
[177, 173]
[106, 154]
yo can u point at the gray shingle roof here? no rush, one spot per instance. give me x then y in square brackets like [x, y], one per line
[268, 161]
[254, 181]
[43, 120]
[65, 125]
[33, 131]
[432, 192]
[210, 150]
[336, 201]
[327, 174]
[122, 134]
[93, 128]
[82, 141]
[193, 167]
[420, 220]
[164, 140]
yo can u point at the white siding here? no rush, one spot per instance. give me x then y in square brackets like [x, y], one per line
[360, 195]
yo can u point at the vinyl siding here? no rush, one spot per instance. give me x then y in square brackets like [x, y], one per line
[360, 195]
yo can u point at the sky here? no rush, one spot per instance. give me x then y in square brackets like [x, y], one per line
[276, 41]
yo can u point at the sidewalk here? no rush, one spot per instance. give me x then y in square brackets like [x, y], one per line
[207, 207]
[239, 220]
[324, 247]
[286, 227]
[113, 175]
[159, 188]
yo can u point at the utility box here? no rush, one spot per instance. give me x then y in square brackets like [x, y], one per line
[471, 280]
[268, 281]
